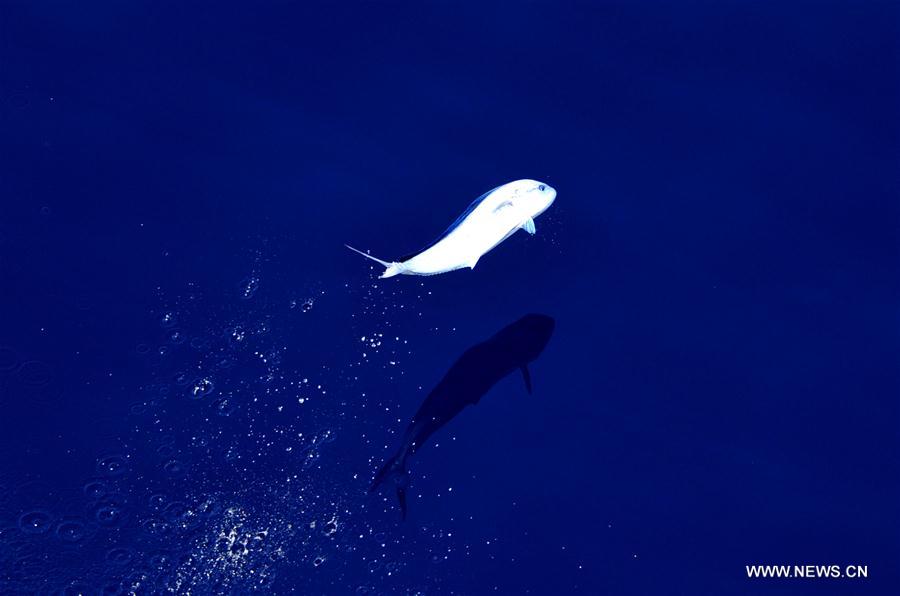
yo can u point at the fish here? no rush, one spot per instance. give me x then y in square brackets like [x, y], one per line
[470, 378]
[489, 220]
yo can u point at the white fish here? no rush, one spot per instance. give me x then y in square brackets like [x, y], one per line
[490, 219]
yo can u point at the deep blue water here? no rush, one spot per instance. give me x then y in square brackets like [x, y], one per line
[199, 381]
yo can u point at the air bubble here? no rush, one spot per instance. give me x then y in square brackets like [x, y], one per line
[248, 287]
[95, 489]
[176, 512]
[207, 506]
[108, 514]
[155, 527]
[224, 406]
[160, 560]
[71, 531]
[157, 501]
[75, 589]
[202, 388]
[174, 467]
[112, 465]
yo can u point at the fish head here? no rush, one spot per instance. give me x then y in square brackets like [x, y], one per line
[533, 197]
[523, 199]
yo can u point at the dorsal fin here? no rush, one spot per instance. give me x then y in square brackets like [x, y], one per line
[451, 227]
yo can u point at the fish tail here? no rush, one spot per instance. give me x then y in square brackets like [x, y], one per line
[391, 269]
[395, 469]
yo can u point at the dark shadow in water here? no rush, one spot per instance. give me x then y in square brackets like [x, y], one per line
[473, 375]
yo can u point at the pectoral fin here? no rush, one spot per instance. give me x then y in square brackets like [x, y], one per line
[528, 226]
[527, 376]
[502, 205]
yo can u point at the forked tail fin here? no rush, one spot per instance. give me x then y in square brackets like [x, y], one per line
[394, 469]
[391, 269]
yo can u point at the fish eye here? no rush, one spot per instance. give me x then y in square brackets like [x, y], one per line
[542, 187]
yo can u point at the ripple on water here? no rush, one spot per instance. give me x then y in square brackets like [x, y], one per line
[225, 362]
[201, 344]
[120, 556]
[113, 587]
[309, 458]
[35, 373]
[160, 560]
[95, 489]
[37, 382]
[175, 512]
[9, 359]
[248, 287]
[207, 506]
[168, 320]
[112, 465]
[71, 531]
[157, 501]
[110, 511]
[166, 451]
[108, 514]
[175, 468]
[156, 527]
[75, 589]
[35, 522]
[201, 388]
[224, 406]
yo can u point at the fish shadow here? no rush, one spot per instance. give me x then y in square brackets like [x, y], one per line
[470, 378]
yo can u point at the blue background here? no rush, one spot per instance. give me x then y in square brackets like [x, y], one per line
[176, 183]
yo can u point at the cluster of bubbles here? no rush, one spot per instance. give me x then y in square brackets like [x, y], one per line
[225, 476]
[33, 381]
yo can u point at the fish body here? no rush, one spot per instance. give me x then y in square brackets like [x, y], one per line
[490, 219]
[470, 378]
